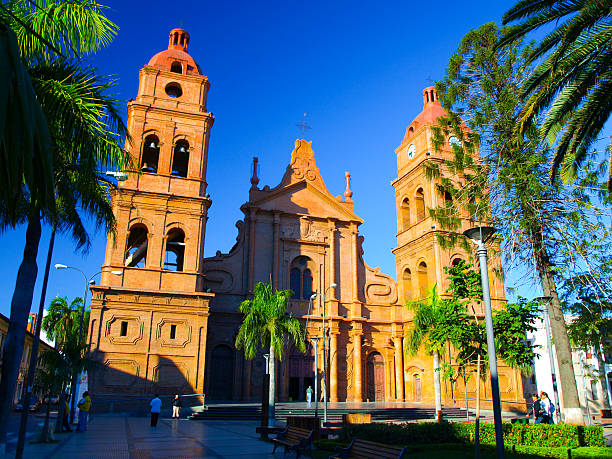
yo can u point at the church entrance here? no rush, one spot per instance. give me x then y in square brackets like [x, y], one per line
[222, 373]
[375, 375]
[301, 375]
[417, 388]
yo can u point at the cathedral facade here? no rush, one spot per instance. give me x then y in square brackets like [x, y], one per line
[168, 323]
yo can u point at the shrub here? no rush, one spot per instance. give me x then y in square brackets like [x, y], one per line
[543, 435]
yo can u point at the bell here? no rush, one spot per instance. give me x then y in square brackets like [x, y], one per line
[182, 149]
[152, 145]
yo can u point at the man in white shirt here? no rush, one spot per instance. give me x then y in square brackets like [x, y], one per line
[156, 404]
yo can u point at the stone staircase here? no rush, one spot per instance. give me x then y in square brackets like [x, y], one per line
[252, 412]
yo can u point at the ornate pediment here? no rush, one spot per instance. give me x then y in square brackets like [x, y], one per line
[303, 167]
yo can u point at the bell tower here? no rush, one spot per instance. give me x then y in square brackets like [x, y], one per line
[420, 260]
[149, 324]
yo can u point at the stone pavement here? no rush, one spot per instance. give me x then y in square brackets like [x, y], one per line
[133, 438]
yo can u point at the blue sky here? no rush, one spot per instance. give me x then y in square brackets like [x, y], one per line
[356, 68]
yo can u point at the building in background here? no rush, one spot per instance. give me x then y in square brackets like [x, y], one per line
[169, 323]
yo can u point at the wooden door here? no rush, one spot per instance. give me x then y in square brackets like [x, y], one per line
[417, 388]
[222, 374]
[375, 376]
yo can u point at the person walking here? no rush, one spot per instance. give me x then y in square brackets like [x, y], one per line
[536, 410]
[548, 409]
[176, 407]
[65, 423]
[84, 405]
[309, 396]
[156, 404]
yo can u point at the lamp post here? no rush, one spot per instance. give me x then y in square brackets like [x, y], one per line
[325, 356]
[87, 283]
[551, 357]
[315, 344]
[479, 236]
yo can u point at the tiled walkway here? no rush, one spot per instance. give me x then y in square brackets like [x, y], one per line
[133, 438]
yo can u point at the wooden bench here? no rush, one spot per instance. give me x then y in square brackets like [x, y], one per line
[294, 439]
[369, 449]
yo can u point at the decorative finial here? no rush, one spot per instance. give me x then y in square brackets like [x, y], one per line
[303, 125]
[254, 178]
[348, 194]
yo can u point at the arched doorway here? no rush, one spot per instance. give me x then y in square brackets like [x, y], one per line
[222, 373]
[375, 376]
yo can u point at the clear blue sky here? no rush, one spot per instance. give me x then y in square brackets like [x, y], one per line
[356, 68]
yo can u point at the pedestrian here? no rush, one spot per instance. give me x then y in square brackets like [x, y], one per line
[176, 407]
[536, 410]
[309, 396]
[156, 404]
[84, 405]
[548, 408]
[65, 423]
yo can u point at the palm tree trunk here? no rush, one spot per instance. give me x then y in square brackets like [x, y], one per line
[437, 385]
[272, 393]
[20, 307]
[572, 412]
[61, 408]
[45, 435]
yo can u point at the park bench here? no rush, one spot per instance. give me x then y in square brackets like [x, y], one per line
[369, 449]
[294, 439]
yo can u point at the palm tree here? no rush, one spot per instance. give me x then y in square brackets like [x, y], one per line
[266, 324]
[84, 129]
[572, 84]
[428, 314]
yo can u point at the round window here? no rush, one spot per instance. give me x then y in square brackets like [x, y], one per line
[174, 90]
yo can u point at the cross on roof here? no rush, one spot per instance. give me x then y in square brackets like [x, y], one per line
[303, 125]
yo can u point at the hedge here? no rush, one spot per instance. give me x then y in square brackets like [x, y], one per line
[559, 435]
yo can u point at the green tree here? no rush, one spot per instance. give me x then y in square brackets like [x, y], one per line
[61, 324]
[546, 228]
[84, 129]
[436, 321]
[266, 324]
[51, 376]
[572, 82]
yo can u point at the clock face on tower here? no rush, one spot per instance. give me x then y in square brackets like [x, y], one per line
[411, 151]
[452, 140]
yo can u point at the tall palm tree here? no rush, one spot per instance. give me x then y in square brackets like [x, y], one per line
[572, 85]
[85, 131]
[266, 324]
[428, 314]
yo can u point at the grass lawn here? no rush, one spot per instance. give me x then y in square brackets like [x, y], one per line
[460, 451]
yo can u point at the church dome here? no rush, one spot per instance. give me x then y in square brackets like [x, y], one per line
[432, 110]
[175, 58]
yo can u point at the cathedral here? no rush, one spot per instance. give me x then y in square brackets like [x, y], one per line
[168, 323]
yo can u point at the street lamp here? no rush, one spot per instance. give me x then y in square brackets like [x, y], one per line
[553, 372]
[480, 235]
[325, 356]
[315, 344]
[87, 282]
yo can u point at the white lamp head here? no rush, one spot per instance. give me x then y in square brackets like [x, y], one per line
[479, 234]
[334, 285]
[313, 296]
[117, 273]
[60, 266]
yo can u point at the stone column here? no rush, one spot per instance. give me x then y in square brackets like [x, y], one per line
[252, 222]
[399, 369]
[332, 259]
[357, 385]
[355, 262]
[275, 233]
[333, 367]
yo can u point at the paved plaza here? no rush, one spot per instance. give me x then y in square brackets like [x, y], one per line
[133, 437]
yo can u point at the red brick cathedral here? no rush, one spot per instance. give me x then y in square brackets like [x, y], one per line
[169, 322]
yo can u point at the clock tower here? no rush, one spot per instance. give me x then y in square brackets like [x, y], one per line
[420, 260]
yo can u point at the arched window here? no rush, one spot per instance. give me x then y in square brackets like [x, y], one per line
[176, 67]
[300, 278]
[420, 205]
[175, 250]
[180, 159]
[306, 284]
[136, 252]
[150, 154]
[423, 279]
[456, 261]
[294, 282]
[448, 199]
[407, 284]
[405, 214]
